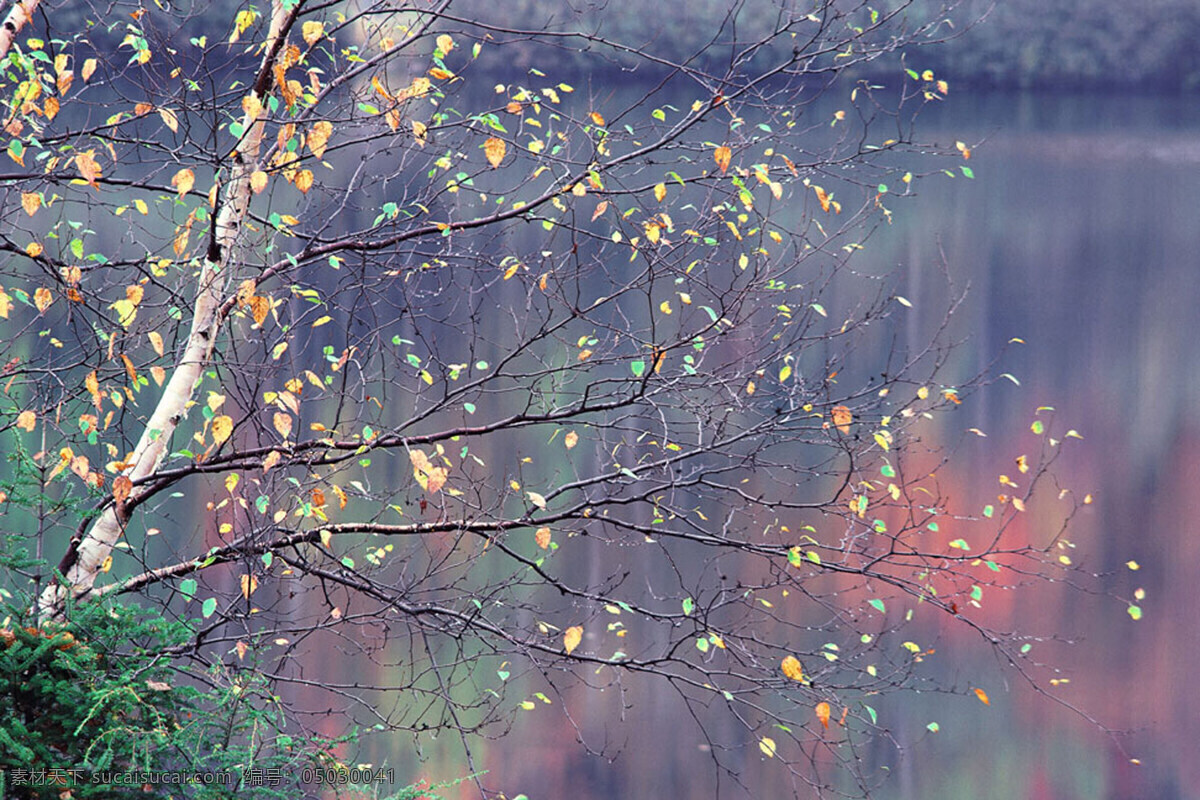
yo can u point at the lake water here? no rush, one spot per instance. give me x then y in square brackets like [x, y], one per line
[1080, 234]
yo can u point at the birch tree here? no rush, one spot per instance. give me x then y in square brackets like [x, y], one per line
[511, 355]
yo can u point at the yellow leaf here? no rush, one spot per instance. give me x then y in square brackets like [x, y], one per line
[249, 584]
[419, 130]
[31, 202]
[1018, 504]
[156, 341]
[231, 482]
[542, 537]
[283, 424]
[785, 373]
[26, 421]
[792, 669]
[42, 298]
[571, 439]
[322, 321]
[271, 460]
[494, 149]
[537, 499]
[441, 74]
[183, 181]
[983, 698]
[33, 250]
[660, 191]
[767, 745]
[169, 119]
[823, 713]
[722, 156]
[222, 427]
[312, 31]
[445, 43]
[89, 66]
[823, 197]
[572, 636]
[665, 306]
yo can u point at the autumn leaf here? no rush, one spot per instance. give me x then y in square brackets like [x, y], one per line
[660, 191]
[571, 439]
[31, 202]
[842, 418]
[89, 67]
[183, 181]
[169, 119]
[823, 197]
[542, 537]
[249, 584]
[304, 180]
[597, 118]
[27, 421]
[494, 149]
[537, 499]
[88, 167]
[572, 636]
[283, 424]
[222, 426]
[445, 43]
[822, 710]
[722, 155]
[258, 181]
[312, 31]
[767, 745]
[983, 698]
[792, 668]
[318, 137]
[42, 298]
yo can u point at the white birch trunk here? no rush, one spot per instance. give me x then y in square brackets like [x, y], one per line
[214, 280]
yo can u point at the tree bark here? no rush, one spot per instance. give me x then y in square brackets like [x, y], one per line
[85, 558]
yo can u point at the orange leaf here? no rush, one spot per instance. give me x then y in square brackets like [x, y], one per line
[122, 488]
[542, 537]
[823, 713]
[318, 137]
[572, 636]
[42, 298]
[597, 118]
[249, 584]
[89, 66]
[722, 155]
[26, 421]
[31, 202]
[183, 181]
[494, 149]
[88, 167]
[304, 180]
[842, 418]
[983, 698]
[792, 669]
[571, 439]
[283, 424]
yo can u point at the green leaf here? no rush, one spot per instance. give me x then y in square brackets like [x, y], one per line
[967, 172]
[933, 727]
[210, 606]
[1037, 427]
[688, 606]
[702, 644]
[871, 713]
[878, 605]
[638, 368]
[188, 588]
[1135, 612]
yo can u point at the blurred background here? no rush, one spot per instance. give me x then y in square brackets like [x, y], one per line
[1080, 235]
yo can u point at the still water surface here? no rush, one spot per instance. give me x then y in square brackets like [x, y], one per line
[1081, 236]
